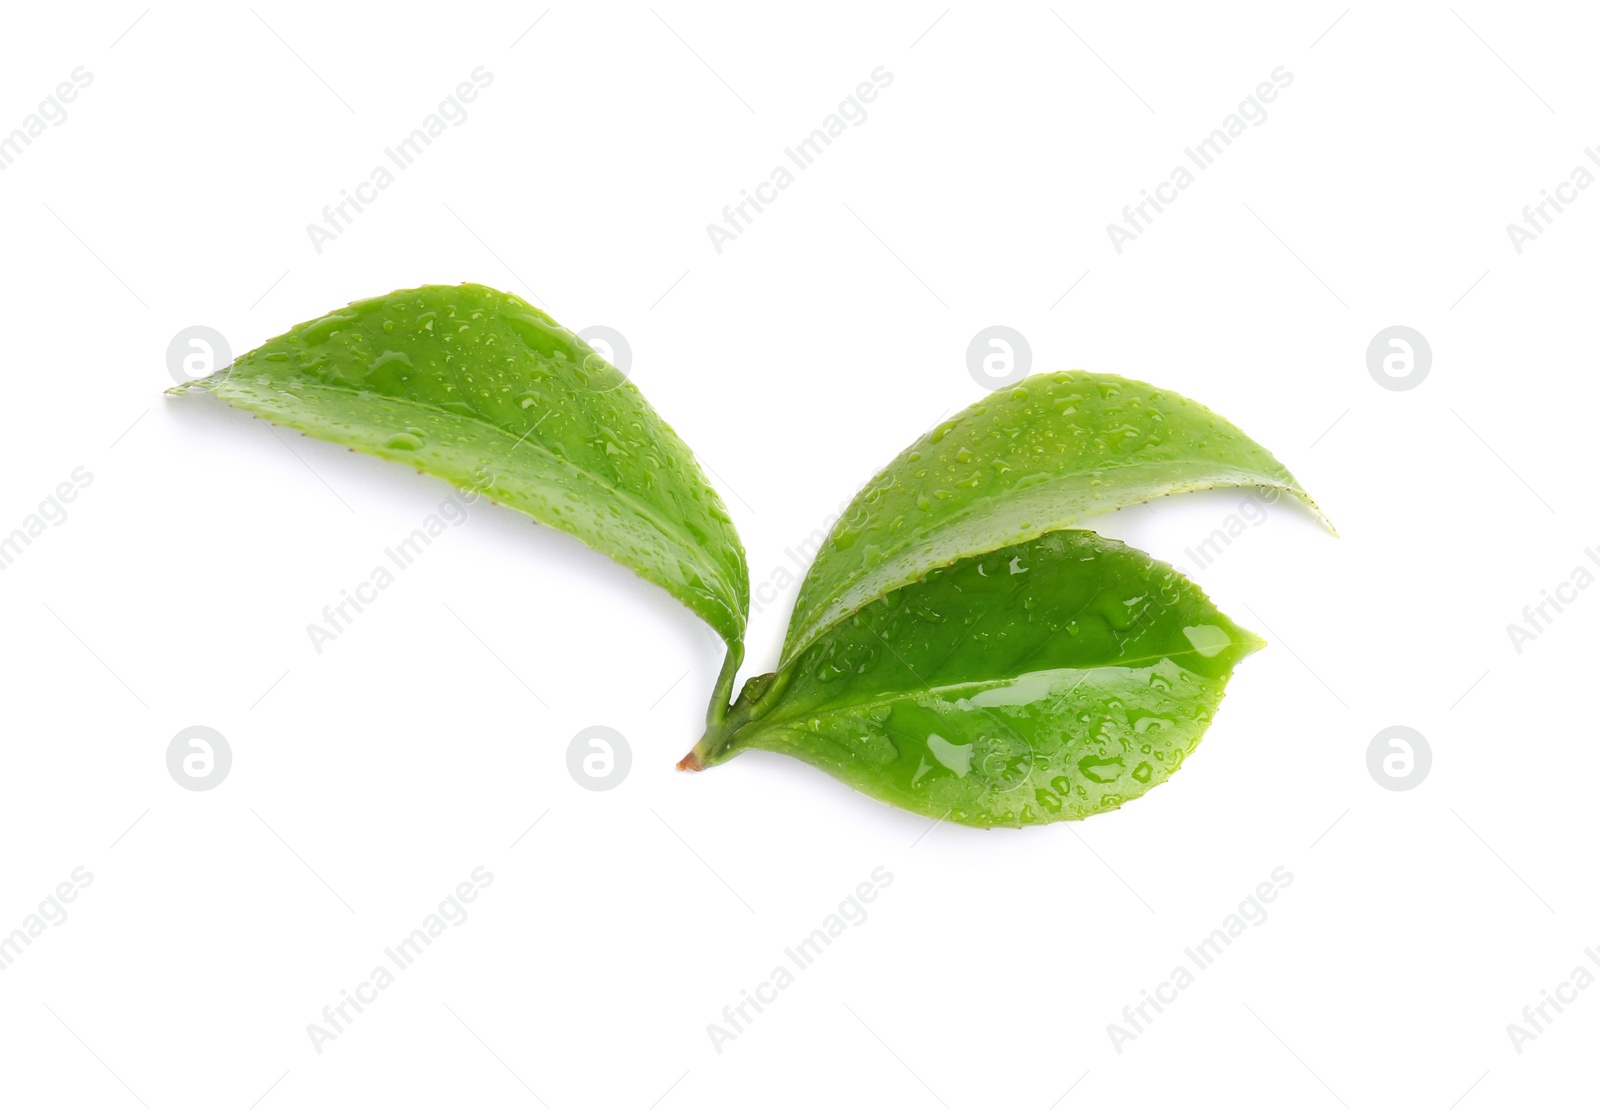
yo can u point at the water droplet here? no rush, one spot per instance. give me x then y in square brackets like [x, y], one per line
[1208, 640]
[411, 438]
[389, 361]
[1101, 770]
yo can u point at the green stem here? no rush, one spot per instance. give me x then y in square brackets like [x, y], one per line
[722, 693]
[717, 744]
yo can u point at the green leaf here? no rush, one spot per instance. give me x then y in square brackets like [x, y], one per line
[1023, 461]
[479, 388]
[1044, 681]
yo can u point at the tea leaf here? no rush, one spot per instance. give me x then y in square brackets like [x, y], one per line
[1023, 461]
[479, 388]
[1047, 680]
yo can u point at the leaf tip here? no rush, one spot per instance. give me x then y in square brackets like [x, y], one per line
[1316, 510]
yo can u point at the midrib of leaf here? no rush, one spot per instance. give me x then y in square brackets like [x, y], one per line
[863, 705]
[670, 531]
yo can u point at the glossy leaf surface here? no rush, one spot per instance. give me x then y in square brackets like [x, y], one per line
[1048, 680]
[479, 388]
[1023, 461]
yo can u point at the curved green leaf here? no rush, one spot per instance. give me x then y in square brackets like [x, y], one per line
[1023, 461]
[479, 388]
[1048, 680]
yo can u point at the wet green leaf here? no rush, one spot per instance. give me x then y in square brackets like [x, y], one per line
[479, 388]
[1023, 461]
[1048, 680]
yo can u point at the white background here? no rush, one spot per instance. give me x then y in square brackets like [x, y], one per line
[369, 779]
